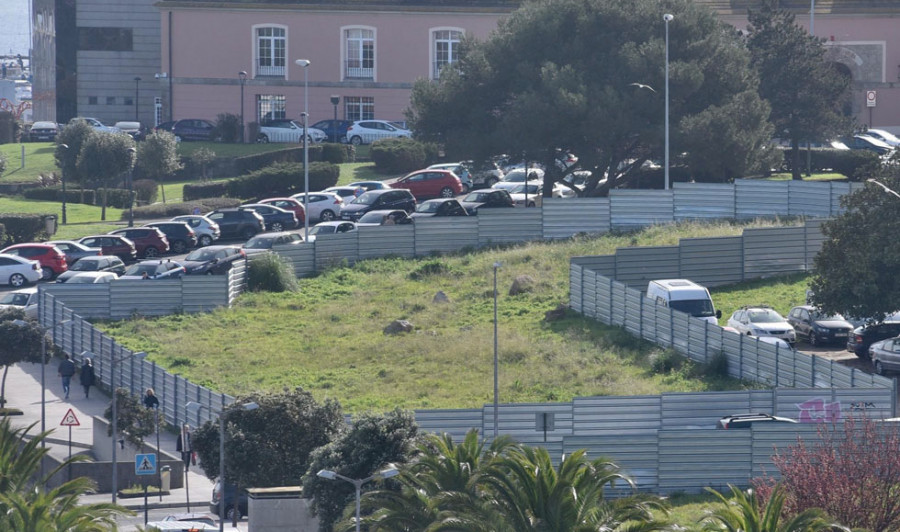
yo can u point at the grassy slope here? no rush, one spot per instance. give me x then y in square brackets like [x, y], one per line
[328, 337]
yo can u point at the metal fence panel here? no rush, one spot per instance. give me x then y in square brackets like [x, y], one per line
[632, 209]
[712, 261]
[603, 300]
[204, 292]
[699, 201]
[455, 422]
[605, 415]
[701, 410]
[445, 234]
[88, 300]
[808, 198]
[634, 453]
[564, 217]
[500, 226]
[148, 298]
[333, 250]
[769, 438]
[691, 460]
[576, 288]
[302, 257]
[774, 251]
[524, 420]
[638, 266]
[383, 240]
[634, 303]
[814, 240]
[758, 198]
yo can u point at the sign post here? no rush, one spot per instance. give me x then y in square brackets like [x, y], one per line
[70, 420]
[870, 103]
[145, 464]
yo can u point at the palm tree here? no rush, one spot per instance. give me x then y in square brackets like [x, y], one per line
[26, 505]
[742, 512]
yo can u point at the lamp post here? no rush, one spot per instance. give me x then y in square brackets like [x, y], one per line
[137, 87]
[242, 75]
[304, 63]
[668, 18]
[497, 266]
[357, 483]
[885, 187]
[115, 421]
[131, 151]
[63, 179]
[195, 406]
[335, 100]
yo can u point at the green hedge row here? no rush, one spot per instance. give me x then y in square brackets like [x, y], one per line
[168, 210]
[54, 193]
[277, 180]
[21, 227]
[850, 163]
[259, 161]
[145, 192]
[402, 155]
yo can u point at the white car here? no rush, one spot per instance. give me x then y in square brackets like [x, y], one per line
[762, 321]
[533, 197]
[330, 228]
[368, 131]
[322, 206]
[96, 124]
[287, 131]
[516, 177]
[884, 136]
[207, 230]
[92, 278]
[16, 271]
[25, 299]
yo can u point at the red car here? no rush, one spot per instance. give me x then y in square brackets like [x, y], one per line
[51, 258]
[431, 184]
[288, 204]
[112, 245]
[149, 241]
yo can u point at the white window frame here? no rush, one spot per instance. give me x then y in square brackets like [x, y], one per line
[272, 71]
[363, 103]
[434, 69]
[345, 54]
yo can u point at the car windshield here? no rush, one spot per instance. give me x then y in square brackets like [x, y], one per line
[519, 177]
[372, 218]
[260, 242]
[321, 230]
[520, 189]
[477, 197]
[200, 255]
[14, 299]
[764, 316]
[79, 279]
[699, 308]
[367, 198]
[429, 206]
[140, 269]
[821, 316]
[85, 265]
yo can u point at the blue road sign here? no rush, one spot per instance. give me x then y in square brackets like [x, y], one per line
[145, 464]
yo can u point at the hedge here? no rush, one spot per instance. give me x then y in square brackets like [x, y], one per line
[401, 155]
[850, 163]
[259, 161]
[281, 179]
[168, 210]
[145, 191]
[54, 193]
[22, 227]
[195, 191]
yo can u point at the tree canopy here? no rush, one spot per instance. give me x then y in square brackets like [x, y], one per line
[20, 341]
[157, 156]
[598, 91]
[104, 158]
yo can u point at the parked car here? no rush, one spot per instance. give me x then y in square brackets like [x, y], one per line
[880, 134]
[369, 185]
[206, 230]
[487, 199]
[154, 269]
[485, 173]
[50, 257]
[43, 131]
[232, 502]
[234, 223]
[150, 242]
[288, 204]
[91, 278]
[103, 263]
[378, 200]
[335, 130]
[368, 131]
[330, 228]
[762, 321]
[818, 328]
[25, 299]
[18, 271]
[74, 250]
[179, 526]
[426, 184]
[347, 193]
[460, 169]
[862, 337]
[190, 129]
[96, 124]
[206, 518]
[179, 234]
[517, 176]
[385, 217]
[284, 130]
[885, 355]
[744, 421]
[275, 218]
[112, 245]
[322, 206]
[133, 129]
[527, 195]
[212, 260]
[866, 142]
[439, 207]
[266, 241]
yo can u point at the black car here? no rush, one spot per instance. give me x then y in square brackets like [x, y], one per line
[818, 328]
[744, 421]
[275, 218]
[862, 337]
[212, 260]
[335, 130]
[486, 199]
[238, 223]
[376, 200]
[99, 263]
[74, 250]
[179, 234]
[190, 129]
[242, 500]
[439, 207]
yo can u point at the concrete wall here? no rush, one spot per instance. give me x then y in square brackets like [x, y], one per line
[280, 510]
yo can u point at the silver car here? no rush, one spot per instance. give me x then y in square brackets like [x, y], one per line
[323, 206]
[205, 229]
[762, 321]
[885, 355]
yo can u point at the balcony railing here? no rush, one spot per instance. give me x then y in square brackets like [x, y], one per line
[267, 71]
[357, 72]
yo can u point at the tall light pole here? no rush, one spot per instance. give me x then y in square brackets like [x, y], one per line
[304, 63]
[195, 406]
[883, 186]
[115, 416]
[131, 151]
[242, 76]
[63, 178]
[668, 18]
[335, 100]
[137, 88]
[357, 483]
[497, 266]
[812, 17]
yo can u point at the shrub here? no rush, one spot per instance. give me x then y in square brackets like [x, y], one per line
[3, 163]
[195, 191]
[201, 158]
[115, 197]
[270, 273]
[666, 362]
[850, 163]
[282, 179]
[398, 155]
[22, 227]
[145, 191]
[259, 161]
[228, 127]
[168, 210]
[335, 153]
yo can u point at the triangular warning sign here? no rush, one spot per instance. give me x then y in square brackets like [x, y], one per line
[69, 420]
[146, 465]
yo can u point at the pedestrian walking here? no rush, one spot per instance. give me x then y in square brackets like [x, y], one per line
[150, 400]
[87, 376]
[66, 370]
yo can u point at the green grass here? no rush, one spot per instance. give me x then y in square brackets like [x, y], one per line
[688, 510]
[222, 149]
[76, 213]
[328, 337]
[38, 160]
[826, 176]
[781, 293]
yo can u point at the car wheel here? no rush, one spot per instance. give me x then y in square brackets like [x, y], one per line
[447, 192]
[491, 181]
[531, 204]
[179, 246]
[209, 272]
[248, 233]
[277, 227]
[326, 216]
[46, 274]
[17, 280]
[356, 140]
[205, 240]
[151, 253]
[465, 188]
[262, 139]
[879, 368]
[229, 513]
[813, 339]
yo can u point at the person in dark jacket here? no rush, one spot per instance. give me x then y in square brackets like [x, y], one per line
[150, 400]
[66, 370]
[87, 376]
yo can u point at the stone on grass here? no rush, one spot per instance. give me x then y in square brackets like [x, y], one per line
[440, 297]
[556, 314]
[398, 326]
[521, 284]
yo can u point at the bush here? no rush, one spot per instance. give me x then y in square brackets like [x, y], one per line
[22, 227]
[270, 273]
[145, 191]
[115, 197]
[335, 153]
[195, 191]
[168, 210]
[398, 155]
[282, 179]
[850, 163]
[228, 127]
[259, 161]
[3, 163]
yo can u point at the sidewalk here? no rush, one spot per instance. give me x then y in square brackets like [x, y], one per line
[23, 391]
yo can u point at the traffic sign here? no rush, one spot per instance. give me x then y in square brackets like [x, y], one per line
[870, 98]
[145, 464]
[69, 420]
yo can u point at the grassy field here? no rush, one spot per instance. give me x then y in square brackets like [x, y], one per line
[38, 161]
[780, 293]
[328, 337]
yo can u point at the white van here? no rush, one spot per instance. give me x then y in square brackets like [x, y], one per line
[684, 296]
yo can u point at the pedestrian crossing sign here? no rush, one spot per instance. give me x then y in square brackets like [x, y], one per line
[145, 464]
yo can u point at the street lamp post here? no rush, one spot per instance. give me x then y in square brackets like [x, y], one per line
[357, 483]
[115, 422]
[668, 18]
[63, 179]
[883, 186]
[137, 86]
[131, 151]
[335, 100]
[497, 266]
[242, 75]
[304, 63]
[193, 405]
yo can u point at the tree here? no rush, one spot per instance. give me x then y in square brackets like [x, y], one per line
[20, 341]
[75, 136]
[104, 158]
[806, 91]
[742, 511]
[133, 419]
[157, 156]
[598, 91]
[372, 442]
[854, 272]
